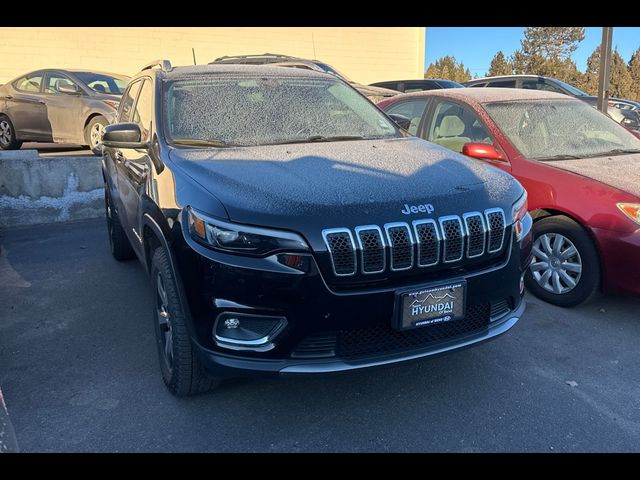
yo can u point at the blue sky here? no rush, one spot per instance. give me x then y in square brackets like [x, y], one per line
[475, 46]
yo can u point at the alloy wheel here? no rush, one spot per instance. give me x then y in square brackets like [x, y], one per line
[557, 265]
[5, 133]
[164, 321]
[95, 135]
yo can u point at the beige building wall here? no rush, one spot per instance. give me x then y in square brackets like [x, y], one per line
[364, 54]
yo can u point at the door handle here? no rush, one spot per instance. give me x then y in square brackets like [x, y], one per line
[9, 97]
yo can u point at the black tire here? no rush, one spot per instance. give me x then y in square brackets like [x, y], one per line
[588, 283]
[182, 372]
[121, 248]
[8, 139]
[96, 121]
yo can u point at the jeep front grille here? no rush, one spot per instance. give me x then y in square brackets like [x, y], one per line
[399, 246]
[372, 255]
[496, 226]
[342, 249]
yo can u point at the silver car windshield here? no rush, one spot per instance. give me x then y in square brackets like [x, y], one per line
[557, 129]
[242, 111]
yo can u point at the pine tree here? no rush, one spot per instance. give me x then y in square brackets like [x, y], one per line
[634, 72]
[547, 51]
[499, 66]
[621, 82]
[448, 68]
[549, 42]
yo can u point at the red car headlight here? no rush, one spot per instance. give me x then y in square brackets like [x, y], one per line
[631, 210]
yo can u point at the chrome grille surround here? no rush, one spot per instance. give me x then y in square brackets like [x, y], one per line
[492, 216]
[342, 251]
[363, 235]
[399, 246]
[476, 240]
[424, 229]
[453, 240]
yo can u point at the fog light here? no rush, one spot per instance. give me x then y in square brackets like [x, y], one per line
[241, 331]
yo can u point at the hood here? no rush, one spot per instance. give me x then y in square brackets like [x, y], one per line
[344, 183]
[619, 171]
[368, 90]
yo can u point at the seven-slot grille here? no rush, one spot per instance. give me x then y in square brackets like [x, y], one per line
[400, 246]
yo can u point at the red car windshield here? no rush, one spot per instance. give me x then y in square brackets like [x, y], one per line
[558, 129]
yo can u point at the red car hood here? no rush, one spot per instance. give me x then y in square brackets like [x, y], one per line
[619, 171]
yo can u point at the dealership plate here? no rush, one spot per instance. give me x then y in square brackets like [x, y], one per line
[430, 305]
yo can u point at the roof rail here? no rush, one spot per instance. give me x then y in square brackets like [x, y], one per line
[164, 64]
[254, 56]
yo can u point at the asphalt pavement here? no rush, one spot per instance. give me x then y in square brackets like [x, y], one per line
[79, 372]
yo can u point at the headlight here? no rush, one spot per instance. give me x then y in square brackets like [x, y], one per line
[518, 214]
[230, 237]
[631, 210]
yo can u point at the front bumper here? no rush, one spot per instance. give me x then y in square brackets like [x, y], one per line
[620, 260]
[226, 365]
[212, 286]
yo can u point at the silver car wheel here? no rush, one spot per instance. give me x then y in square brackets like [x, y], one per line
[557, 265]
[95, 135]
[5, 133]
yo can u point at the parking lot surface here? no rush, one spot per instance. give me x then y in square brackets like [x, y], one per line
[79, 372]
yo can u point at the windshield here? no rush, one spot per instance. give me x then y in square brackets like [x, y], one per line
[556, 129]
[242, 111]
[101, 83]
[573, 90]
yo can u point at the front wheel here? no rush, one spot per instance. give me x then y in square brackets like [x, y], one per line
[8, 135]
[566, 268]
[93, 134]
[182, 372]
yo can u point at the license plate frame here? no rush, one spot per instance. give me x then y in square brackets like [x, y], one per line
[431, 304]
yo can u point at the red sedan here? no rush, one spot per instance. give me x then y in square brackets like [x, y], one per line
[580, 168]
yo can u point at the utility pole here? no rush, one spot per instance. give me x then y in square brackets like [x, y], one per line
[604, 71]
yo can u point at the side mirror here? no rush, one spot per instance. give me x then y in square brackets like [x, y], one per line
[68, 88]
[401, 120]
[123, 135]
[483, 151]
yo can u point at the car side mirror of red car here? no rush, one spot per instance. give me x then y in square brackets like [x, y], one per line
[483, 151]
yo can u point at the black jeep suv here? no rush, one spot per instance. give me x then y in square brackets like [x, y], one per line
[290, 227]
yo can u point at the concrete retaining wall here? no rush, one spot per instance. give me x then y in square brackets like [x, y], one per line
[36, 189]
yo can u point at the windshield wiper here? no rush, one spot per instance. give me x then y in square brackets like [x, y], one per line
[616, 151]
[335, 138]
[557, 157]
[318, 138]
[196, 142]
